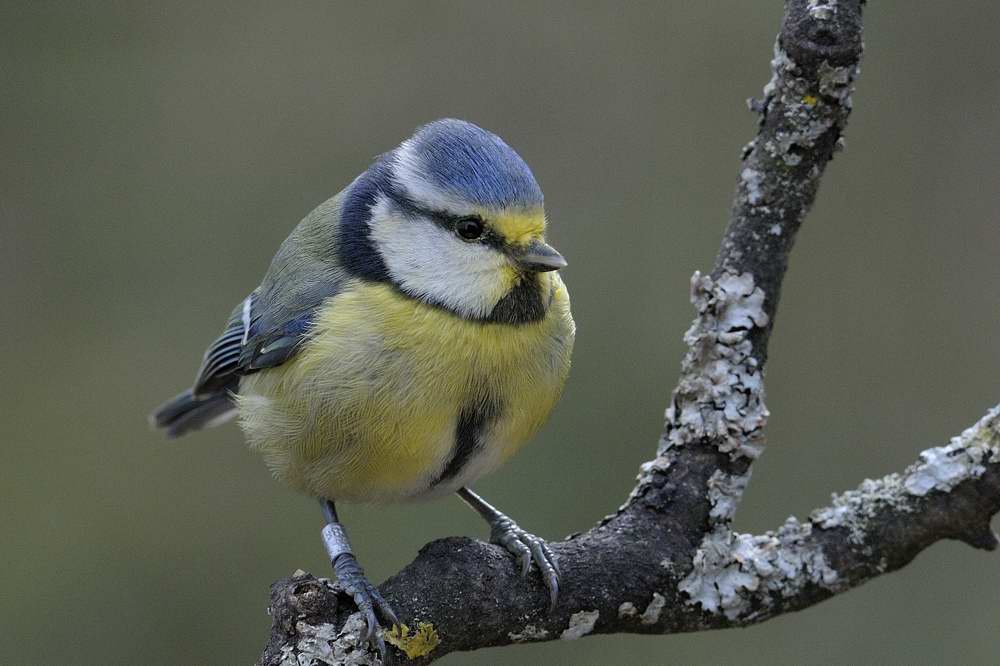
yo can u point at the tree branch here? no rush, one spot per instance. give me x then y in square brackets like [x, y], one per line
[667, 561]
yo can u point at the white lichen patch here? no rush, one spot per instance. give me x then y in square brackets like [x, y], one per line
[528, 634]
[835, 82]
[810, 108]
[855, 509]
[721, 392]
[652, 613]
[627, 609]
[725, 492]
[751, 182]
[823, 10]
[944, 467]
[939, 469]
[780, 64]
[734, 572]
[325, 644]
[774, 230]
[580, 624]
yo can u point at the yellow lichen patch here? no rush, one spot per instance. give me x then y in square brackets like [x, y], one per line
[422, 642]
[810, 100]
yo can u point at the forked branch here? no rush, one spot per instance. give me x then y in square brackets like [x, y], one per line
[667, 561]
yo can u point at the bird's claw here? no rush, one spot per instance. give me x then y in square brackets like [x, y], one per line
[526, 547]
[368, 599]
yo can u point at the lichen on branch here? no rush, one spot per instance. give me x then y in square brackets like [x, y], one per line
[667, 561]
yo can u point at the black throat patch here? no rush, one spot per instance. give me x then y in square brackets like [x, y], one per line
[524, 304]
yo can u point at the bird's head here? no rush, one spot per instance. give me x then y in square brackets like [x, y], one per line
[454, 217]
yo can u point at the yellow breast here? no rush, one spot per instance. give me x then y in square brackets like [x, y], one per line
[380, 401]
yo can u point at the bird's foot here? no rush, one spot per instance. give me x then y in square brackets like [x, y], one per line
[369, 600]
[527, 547]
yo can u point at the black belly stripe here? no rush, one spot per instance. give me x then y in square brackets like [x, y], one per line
[473, 421]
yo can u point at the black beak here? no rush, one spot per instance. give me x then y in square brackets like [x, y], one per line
[537, 257]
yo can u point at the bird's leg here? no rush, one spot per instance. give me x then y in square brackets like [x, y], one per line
[351, 577]
[521, 544]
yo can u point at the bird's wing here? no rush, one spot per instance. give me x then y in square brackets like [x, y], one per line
[259, 334]
[246, 346]
[220, 368]
[266, 329]
[267, 348]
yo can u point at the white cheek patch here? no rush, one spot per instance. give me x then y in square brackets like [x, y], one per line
[428, 261]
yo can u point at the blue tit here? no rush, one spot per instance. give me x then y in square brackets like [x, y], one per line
[410, 335]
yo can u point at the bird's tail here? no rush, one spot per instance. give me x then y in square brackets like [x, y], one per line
[188, 412]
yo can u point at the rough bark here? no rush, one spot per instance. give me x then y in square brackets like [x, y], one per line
[667, 561]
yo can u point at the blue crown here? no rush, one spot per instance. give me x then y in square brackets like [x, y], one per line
[474, 165]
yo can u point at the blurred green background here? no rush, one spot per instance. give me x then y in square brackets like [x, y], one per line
[153, 156]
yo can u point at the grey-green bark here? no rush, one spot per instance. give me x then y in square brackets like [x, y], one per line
[667, 561]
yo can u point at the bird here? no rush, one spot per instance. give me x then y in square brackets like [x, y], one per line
[410, 335]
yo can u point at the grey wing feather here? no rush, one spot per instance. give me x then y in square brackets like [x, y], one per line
[220, 369]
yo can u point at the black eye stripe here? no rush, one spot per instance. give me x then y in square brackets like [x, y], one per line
[440, 217]
[445, 219]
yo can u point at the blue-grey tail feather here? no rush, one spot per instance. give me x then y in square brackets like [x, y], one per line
[186, 412]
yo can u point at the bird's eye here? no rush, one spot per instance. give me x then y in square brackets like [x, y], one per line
[469, 228]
